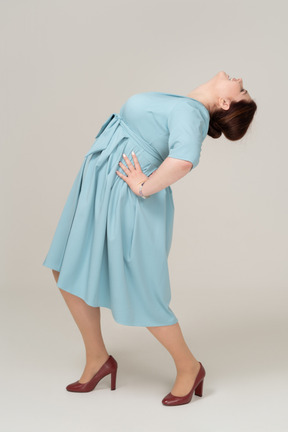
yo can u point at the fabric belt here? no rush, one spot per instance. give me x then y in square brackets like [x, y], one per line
[114, 120]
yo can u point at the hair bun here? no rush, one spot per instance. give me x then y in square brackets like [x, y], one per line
[234, 122]
[214, 130]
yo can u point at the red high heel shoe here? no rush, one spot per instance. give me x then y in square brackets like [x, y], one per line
[110, 366]
[171, 400]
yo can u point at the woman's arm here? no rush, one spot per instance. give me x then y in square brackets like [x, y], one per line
[167, 173]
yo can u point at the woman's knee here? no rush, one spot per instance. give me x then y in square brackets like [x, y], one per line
[55, 274]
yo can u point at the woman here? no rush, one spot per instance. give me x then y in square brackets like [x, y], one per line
[111, 244]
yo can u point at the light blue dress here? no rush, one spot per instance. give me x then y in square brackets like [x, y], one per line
[110, 245]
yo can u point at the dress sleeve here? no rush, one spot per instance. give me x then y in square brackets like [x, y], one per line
[186, 133]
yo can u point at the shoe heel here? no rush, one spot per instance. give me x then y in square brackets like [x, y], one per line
[199, 389]
[113, 379]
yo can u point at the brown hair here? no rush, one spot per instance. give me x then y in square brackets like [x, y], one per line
[234, 122]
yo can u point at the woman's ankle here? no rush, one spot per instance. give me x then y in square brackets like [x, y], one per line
[187, 367]
[97, 358]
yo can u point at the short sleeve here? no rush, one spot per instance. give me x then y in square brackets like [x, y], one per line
[186, 132]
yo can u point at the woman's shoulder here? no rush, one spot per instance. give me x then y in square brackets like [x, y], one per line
[170, 104]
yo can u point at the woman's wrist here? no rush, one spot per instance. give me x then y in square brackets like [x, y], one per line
[141, 193]
[167, 173]
[151, 186]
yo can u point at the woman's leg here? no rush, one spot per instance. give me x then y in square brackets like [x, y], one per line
[87, 319]
[187, 366]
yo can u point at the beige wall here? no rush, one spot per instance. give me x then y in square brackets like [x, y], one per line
[65, 66]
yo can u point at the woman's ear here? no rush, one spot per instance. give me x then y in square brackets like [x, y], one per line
[224, 103]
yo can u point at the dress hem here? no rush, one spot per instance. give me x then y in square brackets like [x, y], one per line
[108, 307]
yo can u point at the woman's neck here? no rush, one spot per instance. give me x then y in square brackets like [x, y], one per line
[205, 95]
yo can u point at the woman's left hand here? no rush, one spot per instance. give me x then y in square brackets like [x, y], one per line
[134, 173]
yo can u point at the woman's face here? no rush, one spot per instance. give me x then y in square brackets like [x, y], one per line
[230, 88]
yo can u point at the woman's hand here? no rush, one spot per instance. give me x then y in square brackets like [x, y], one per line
[134, 173]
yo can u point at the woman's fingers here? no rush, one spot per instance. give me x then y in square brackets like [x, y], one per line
[131, 167]
[136, 163]
[128, 162]
[134, 174]
[124, 168]
[122, 176]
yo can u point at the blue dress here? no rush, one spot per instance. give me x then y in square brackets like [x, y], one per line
[110, 245]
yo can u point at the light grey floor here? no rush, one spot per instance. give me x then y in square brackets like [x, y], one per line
[245, 388]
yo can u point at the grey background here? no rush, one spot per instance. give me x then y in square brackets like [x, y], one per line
[65, 67]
